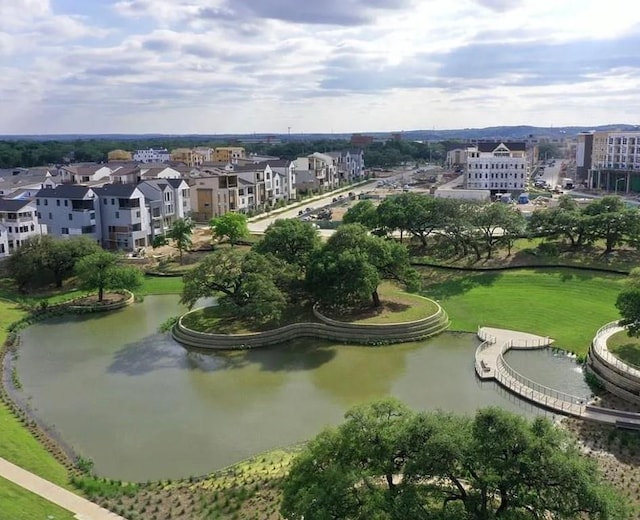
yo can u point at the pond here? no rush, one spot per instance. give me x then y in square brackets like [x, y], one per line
[143, 408]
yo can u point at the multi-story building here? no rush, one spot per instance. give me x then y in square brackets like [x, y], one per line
[119, 155]
[166, 200]
[70, 210]
[19, 219]
[123, 217]
[152, 155]
[584, 155]
[349, 165]
[285, 185]
[498, 167]
[213, 193]
[229, 154]
[82, 173]
[457, 158]
[190, 157]
[615, 162]
[316, 171]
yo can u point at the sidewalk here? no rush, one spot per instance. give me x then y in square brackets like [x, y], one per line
[82, 508]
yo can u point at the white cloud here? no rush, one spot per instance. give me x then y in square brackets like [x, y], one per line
[350, 65]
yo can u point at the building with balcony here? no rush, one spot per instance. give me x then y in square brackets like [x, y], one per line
[166, 201]
[349, 165]
[124, 222]
[317, 171]
[285, 178]
[152, 155]
[213, 193]
[496, 166]
[19, 219]
[69, 210]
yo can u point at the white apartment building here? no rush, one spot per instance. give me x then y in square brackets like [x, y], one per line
[499, 167]
[159, 155]
[623, 151]
[19, 222]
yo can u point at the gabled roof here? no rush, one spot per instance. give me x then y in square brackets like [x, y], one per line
[13, 204]
[512, 146]
[176, 183]
[116, 190]
[257, 167]
[120, 172]
[279, 163]
[64, 191]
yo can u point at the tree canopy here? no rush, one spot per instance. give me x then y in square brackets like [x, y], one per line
[180, 233]
[351, 265]
[100, 271]
[248, 284]
[291, 240]
[387, 462]
[232, 226]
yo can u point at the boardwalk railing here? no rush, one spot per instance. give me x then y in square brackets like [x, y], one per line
[530, 343]
[485, 336]
[600, 346]
[533, 391]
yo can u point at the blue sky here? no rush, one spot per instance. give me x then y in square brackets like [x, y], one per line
[243, 66]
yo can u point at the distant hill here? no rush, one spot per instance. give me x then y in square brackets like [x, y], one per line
[494, 132]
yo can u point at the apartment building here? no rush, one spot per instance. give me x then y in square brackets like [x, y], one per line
[166, 200]
[285, 179]
[213, 192]
[19, 222]
[349, 165]
[317, 171]
[190, 157]
[229, 154]
[615, 161]
[123, 216]
[253, 185]
[457, 158]
[83, 173]
[69, 210]
[152, 155]
[496, 166]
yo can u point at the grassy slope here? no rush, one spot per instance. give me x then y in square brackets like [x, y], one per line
[18, 504]
[626, 348]
[20, 447]
[569, 306]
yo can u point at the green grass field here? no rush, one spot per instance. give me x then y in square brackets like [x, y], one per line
[626, 348]
[567, 305]
[17, 503]
[160, 285]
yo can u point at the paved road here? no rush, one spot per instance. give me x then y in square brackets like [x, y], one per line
[82, 508]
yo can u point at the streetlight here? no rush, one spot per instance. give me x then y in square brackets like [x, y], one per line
[617, 181]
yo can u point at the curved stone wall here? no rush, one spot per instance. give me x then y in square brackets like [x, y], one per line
[617, 377]
[326, 328]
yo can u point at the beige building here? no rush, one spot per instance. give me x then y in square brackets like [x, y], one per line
[615, 162]
[229, 154]
[119, 155]
[187, 156]
[213, 194]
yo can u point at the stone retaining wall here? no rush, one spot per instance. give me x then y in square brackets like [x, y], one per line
[326, 328]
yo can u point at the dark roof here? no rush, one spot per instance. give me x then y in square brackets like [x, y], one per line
[13, 204]
[64, 191]
[512, 146]
[175, 183]
[279, 163]
[116, 190]
[250, 167]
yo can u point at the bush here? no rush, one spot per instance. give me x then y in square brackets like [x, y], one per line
[548, 249]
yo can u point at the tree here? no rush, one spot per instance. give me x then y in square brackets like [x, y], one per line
[180, 232]
[290, 240]
[364, 212]
[494, 220]
[233, 226]
[247, 284]
[628, 303]
[387, 462]
[609, 220]
[44, 259]
[351, 265]
[101, 271]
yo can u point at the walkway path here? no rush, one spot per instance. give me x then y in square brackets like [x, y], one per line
[491, 365]
[82, 508]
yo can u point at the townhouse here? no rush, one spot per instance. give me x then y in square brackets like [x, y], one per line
[83, 173]
[317, 171]
[18, 222]
[229, 154]
[166, 200]
[152, 155]
[70, 210]
[123, 219]
[213, 192]
[349, 165]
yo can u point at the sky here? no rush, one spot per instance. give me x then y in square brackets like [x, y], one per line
[273, 66]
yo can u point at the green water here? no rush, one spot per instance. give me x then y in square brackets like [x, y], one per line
[142, 407]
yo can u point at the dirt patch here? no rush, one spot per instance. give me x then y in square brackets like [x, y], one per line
[366, 311]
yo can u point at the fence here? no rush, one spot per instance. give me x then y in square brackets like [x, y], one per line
[485, 336]
[530, 343]
[599, 344]
[528, 388]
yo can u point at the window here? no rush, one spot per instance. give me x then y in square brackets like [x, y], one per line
[57, 202]
[105, 202]
[70, 216]
[65, 230]
[66, 202]
[136, 227]
[37, 202]
[117, 214]
[33, 227]
[137, 214]
[39, 216]
[50, 217]
[113, 202]
[46, 202]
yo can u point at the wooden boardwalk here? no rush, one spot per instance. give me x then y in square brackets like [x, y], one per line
[491, 365]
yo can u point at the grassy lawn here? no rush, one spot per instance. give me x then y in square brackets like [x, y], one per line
[625, 347]
[17, 503]
[397, 307]
[567, 305]
[160, 285]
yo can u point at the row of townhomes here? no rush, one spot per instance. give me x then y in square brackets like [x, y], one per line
[125, 203]
[609, 160]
